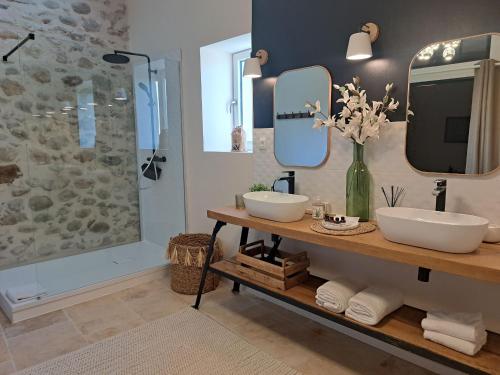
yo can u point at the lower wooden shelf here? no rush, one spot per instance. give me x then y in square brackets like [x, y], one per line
[401, 328]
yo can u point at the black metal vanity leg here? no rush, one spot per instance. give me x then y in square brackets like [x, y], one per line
[210, 252]
[274, 251]
[243, 241]
[424, 274]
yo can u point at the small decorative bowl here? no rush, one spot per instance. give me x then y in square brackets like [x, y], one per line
[347, 224]
[493, 234]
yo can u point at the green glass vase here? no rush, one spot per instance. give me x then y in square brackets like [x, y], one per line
[358, 186]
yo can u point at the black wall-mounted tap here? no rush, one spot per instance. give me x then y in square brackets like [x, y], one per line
[290, 179]
[440, 193]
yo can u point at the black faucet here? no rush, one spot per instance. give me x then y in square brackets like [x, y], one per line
[290, 179]
[440, 193]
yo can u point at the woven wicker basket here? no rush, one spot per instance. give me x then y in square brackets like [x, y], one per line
[187, 254]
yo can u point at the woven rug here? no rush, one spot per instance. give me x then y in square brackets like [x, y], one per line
[185, 343]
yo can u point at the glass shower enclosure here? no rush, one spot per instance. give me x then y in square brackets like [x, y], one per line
[76, 133]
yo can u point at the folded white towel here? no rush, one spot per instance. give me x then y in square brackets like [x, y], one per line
[372, 304]
[465, 326]
[462, 346]
[335, 294]
[25, 292]
[328, 306]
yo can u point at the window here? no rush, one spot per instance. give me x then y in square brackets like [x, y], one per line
[227, 97]
[242, 104]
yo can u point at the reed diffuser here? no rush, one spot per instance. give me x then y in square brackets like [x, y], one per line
[393, 195]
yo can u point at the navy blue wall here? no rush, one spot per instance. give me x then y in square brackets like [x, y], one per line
[299, 33]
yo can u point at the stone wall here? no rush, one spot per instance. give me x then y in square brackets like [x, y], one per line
[67, 144]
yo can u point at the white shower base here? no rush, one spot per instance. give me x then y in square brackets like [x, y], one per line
[83, 277]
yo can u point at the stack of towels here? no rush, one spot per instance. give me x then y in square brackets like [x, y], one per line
[463, 332]
[373, 304]
[335, 295]
[368, 306]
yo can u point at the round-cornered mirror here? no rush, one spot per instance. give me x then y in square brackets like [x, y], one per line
[454, 106]
[296, 143]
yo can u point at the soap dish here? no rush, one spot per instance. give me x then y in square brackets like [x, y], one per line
[493, 234]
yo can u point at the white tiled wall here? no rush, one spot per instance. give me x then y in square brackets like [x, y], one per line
[387, 163]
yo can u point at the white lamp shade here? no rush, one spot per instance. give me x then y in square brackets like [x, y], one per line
[360, 47]
[252, 68]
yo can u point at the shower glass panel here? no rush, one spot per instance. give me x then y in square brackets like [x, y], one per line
[17, 244]
[162, 201]
[68, 126]
[82, 169]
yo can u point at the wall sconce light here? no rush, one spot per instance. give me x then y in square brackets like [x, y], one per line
[253, 64]
[360, 44]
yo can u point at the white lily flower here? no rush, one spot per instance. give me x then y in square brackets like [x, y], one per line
[376, 105]
[382, 117]
[341, 124]
[358, 119]
[313, 108]
[318, 123]
[330, 122]
[393, 105]
[318, 106]
[345, 112]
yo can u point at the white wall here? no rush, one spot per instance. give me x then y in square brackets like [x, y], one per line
[157, 26]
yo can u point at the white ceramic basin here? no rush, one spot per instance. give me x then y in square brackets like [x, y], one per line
[276, 206]
[442, 231]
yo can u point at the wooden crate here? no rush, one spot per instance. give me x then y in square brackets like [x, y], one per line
[285, 272]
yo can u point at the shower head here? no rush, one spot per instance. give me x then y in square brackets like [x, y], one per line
[116, 58]
[143, 87]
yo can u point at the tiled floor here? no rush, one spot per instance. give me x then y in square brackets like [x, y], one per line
[301, 343]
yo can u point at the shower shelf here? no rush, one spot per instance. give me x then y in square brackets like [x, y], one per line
[401, 328]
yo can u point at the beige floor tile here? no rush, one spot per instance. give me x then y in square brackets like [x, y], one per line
[301, 343]
[4, 321]
[396, 366]
[7, 368]
[4, 352]
[152, 301]
[45, 343]
[13, 330]
[223, 289]
[103, 317]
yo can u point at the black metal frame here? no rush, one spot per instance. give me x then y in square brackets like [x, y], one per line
[424, 274]
[321, 313]
[210, 253]
[31, 36]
